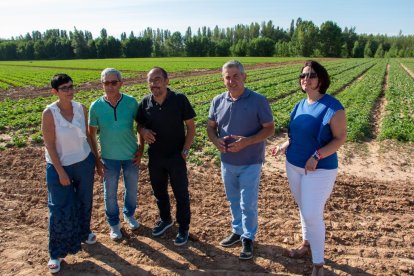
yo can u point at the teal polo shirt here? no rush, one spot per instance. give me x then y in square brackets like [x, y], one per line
[116, 127]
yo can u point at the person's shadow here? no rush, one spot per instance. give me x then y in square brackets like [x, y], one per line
[302, 266]
[195, 255]
[107, 256]
[83, 268]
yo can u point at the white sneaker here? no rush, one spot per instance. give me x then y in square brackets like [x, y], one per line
[132, 222]
[115, 232]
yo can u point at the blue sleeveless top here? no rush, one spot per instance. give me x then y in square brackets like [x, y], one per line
[309, 130]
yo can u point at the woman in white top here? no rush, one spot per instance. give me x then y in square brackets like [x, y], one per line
[69, 172]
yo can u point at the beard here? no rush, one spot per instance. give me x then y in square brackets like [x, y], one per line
[156, 91]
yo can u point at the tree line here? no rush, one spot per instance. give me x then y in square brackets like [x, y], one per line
[302, 38]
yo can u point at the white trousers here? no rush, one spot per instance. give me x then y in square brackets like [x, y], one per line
[311, 192]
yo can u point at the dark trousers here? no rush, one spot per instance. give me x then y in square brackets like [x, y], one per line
[173, 168]
[70, 207]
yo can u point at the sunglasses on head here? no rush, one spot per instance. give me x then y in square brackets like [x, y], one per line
[308, 75]
[113, 83]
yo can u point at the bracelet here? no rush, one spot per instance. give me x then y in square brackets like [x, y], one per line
[185, 152]
[319, 154]
[280, 148]
[316, 155]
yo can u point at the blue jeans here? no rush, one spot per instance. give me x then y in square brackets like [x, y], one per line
[70, 207]
[111, 177]
[241, 184]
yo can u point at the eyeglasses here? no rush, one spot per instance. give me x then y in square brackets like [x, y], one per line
[308, 75]
[66, 88]
[155, 80]
[113, 83]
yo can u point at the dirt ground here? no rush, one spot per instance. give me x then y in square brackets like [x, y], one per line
[369, 221]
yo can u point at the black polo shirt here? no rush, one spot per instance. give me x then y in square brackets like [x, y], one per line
[167, 121]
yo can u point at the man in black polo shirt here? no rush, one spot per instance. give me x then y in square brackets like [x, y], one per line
[166, 122]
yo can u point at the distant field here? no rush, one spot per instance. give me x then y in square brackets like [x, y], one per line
[38, 73]
[144, 64]
[357, 83]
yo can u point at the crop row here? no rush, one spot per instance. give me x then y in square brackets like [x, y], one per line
[341, 78]
[18, 76]
[21, 119]
[398, 122]
[359, 102]
[144, 64]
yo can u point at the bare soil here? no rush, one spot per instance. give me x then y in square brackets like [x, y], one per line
[369, 221]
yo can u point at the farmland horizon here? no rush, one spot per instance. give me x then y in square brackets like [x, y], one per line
[367, 17]
[369, 218]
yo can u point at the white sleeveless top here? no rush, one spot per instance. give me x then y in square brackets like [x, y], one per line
[71, 143]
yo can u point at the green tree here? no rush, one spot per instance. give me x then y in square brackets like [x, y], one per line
[349, 36]
[40, 49]
[79, 44]
[357, 50]
[367, 50]
[330, 39]
[25, 50]
[344, 50]
[222, 48]
[261, 47]
[380, 52]
[292, 28]
[114, 47]
[8, 50]
[282, 49]
[305, 38]
[174, 45]
[199, 46]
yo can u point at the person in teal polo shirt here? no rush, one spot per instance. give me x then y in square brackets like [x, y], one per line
[113, 115]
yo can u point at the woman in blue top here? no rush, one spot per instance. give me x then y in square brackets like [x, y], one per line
[317, 129]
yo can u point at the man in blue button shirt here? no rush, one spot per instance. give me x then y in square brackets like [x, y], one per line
[239, 122]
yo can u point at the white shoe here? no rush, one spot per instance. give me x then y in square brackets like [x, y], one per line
[115, 232]
[54, 265]
[91, 239]
[132, 222]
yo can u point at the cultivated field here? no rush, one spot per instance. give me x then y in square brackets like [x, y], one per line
[369, 217]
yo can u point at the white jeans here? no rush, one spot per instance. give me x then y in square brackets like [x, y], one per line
[311, 192]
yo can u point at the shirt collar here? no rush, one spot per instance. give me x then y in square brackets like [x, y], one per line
[246, 93]
[166, 98]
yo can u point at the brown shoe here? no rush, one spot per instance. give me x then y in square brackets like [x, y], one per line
[301, 251]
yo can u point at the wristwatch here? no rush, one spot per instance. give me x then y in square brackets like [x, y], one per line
[315, 156]
[185, 151]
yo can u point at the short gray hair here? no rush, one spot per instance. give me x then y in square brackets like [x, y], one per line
[111, 71]
[233, 64]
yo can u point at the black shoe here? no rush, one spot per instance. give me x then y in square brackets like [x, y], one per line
[247, 249]
[161, 227]
[182, 238]
[230, 240]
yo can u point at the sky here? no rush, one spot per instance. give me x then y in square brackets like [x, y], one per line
[19, 17]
